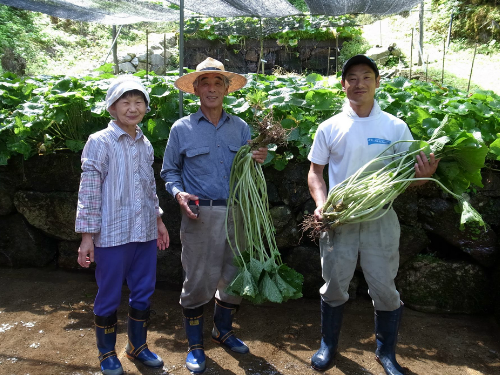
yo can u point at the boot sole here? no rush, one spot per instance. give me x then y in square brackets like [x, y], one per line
[405, 370]
[228, 348]
[132, 358]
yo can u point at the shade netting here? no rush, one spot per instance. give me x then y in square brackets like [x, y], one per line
[123, 12]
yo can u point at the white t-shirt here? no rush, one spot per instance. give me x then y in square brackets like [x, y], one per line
[347, 142]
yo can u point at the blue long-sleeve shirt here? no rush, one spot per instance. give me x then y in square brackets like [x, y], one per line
[199, 155]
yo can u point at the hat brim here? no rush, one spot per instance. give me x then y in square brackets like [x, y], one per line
[185, 83]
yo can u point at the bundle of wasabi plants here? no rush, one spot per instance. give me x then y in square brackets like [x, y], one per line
[368, 194]
[262, 275]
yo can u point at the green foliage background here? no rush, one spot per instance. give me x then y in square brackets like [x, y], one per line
[56, 114]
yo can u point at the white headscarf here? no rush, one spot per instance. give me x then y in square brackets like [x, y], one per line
[120, 86]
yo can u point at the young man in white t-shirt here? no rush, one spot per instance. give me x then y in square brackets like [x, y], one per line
[346, 142]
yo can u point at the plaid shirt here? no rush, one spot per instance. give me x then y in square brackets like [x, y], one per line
[117, 200]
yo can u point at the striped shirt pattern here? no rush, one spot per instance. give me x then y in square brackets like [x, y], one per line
[117, 199]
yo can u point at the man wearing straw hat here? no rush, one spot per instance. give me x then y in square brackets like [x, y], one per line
[196, 168]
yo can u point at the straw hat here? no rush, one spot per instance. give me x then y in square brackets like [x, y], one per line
[185, 83]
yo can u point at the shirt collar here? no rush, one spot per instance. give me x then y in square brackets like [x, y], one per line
[118, 132]
[350, 112]
[199, 115]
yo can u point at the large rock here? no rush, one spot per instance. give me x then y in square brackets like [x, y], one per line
[53, 213]
[21, 245]
[6, 199]
[67, 255]
[125, 58]
[291, 183]
[413, 241]
[429, 284]
[287, 233]
[495, 281]
[156, 59]
[53, 172]
[126, 67]
[406, 206]
[169, 266]
[439, 217]
[307, 261]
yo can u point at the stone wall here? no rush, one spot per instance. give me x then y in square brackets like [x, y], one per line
[308, 55]
[442, 269]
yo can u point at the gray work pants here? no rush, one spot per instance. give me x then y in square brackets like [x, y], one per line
[207, 258]
[377, 243]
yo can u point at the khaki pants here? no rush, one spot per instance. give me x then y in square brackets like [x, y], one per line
[207, 258]
[377, 243]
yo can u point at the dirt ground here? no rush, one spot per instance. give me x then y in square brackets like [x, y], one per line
[46, 327]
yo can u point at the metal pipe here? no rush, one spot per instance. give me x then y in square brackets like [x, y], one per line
[115, 51]
[411, 50]
[444, 54]
[449, 31]
[181, 52]
[165, 53]
[147, 56]
[421, 36]
[112, 44]
[472, 66]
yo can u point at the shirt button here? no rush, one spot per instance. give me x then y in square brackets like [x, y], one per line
[218, 145]
[221, 161]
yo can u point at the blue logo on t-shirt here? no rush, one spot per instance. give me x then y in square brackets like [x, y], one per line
[372, 141]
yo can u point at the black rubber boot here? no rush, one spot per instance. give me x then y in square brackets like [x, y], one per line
[193, 323]
[331, 322]
[137, 348]
[223, 333]
[105, 332]
[386, 333]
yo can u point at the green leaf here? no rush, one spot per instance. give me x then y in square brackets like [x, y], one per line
[75, 146]
[269, 290]
[293, 278]
[243, 285]
[287, 291]
[255, 267]
[495, 148]
[314, 77]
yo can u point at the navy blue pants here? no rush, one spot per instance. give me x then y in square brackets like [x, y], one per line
[134, 262]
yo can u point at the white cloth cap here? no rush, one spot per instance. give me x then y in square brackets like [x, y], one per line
[120, 86]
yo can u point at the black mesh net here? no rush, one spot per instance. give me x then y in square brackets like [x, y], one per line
[233, 8]
[123, 12]
[108, 12]
[379, 7]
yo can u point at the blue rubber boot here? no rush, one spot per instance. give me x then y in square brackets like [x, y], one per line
[386, 333]
[331, 322]
[105, 332]
[223, 333]
[193, 323]
[137, 348]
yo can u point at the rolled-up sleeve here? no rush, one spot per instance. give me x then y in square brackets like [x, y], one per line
[88, 213]
[171, 171]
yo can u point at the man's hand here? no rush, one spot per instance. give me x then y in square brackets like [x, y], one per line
[260, 155]
[183, 199]
[163, 240]
[318, 214]
[425, 168]
[86, 250]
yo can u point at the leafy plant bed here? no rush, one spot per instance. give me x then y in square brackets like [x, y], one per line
[44, 114]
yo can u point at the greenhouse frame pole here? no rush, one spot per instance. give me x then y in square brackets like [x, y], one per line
[181, 52]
